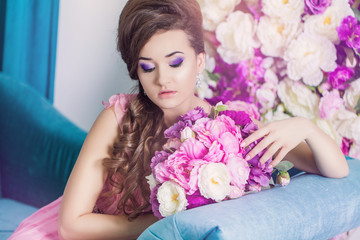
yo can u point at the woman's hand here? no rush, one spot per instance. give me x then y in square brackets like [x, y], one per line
[279, 138]
[303, 144]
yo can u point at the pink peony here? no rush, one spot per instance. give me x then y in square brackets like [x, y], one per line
[249, 108]
[330, 103]
[239, 170]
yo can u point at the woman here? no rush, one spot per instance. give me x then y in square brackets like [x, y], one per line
[162, 44]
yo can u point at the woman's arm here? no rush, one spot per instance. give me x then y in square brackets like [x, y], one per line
[285, 139]
[76, 220]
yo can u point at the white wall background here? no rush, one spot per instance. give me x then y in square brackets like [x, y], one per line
[88, 67]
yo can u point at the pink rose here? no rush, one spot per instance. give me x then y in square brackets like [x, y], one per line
[249, 108]
[330, 103]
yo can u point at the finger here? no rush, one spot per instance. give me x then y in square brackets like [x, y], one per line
[270, 152]
[258, 123]
[264, 143]
[279, 157]
[254, 136]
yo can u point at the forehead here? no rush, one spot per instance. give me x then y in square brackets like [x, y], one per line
[165, 42]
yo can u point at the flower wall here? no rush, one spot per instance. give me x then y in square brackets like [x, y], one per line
[287, 58]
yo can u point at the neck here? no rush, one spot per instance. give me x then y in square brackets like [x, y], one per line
[171, 115]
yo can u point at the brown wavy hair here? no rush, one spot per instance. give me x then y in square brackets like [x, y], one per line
[143, 124]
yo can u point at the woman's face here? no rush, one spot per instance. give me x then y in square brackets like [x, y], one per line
[167, 70]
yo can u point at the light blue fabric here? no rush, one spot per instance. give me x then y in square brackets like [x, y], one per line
[310, 207]
[30, 43]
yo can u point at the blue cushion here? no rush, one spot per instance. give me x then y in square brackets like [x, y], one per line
[310, 207]
[11, 214]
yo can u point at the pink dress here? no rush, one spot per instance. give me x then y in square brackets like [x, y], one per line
[43, 223]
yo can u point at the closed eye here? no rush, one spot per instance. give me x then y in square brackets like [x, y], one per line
[177, 62]
[146, 67]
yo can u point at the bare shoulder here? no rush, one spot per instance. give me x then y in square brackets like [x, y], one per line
[104, 132]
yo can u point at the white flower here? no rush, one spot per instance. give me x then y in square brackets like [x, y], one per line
[307, 56]
[325, 24]
[275, 35]
[172, 198]
[298, 99]
[214, 181]
[266, 95]
[329, 129]
[352, 95]
[186, 133]
[288, 10]
[236, 36]
[151, 181]
[350, 128]
[278, 115]
[215, 11]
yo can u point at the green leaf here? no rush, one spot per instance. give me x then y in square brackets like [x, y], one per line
[271, 182]
[284, 166]
[357, 107]
[221, 108]
[212, 113]
[357, 13]
[215, 77]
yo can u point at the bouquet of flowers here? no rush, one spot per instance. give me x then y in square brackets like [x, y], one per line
[202, 161]
[288, 58]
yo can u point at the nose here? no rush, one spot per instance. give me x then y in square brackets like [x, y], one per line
[163, 76]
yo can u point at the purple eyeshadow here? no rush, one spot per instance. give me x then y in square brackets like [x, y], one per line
[177, 61]
[145, 66]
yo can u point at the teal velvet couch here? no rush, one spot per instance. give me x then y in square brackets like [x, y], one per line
[38, 147]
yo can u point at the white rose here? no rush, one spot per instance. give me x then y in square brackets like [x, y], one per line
[214, 181]
[307, 56]
[186, 133]
[151, 181]
[215, 11]
[329, 129]
[352, 95]
[236, 37]
[172, 198]
[298, 99]
[325, 24]
[275, 35]
[288, 10]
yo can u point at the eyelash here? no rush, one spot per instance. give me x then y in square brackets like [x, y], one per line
[172, 65]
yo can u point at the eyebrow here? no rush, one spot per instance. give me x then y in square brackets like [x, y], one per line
[169, 55]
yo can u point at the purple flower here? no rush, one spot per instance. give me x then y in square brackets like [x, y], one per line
[346, 145]
[241, 118]
[154, 202]
[160, 156]
[316, 6]
[193, 115]
[349, 31]
[339, 77]
[196, 200]
[175, 130]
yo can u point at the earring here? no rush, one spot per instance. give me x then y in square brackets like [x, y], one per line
[198, 80]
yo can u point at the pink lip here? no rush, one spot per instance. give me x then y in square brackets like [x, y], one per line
[166, 93]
